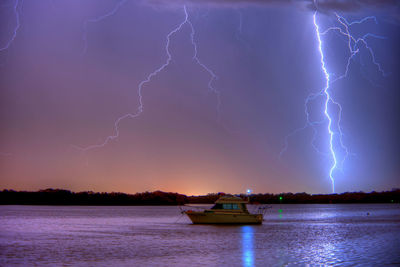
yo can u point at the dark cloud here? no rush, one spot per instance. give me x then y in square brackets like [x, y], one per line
[321, 5]
[225, 3]
[350, 5]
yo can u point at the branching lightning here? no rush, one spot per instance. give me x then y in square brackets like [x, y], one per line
[97, 19]
[213, 77]
[17, 25]
[334, 129]
[141, 85]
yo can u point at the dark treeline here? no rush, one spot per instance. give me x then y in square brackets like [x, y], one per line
[353, 197]
[304, 198]
[65, 197]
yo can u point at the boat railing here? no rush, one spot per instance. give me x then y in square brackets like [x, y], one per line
[186, 208]
[261, 209]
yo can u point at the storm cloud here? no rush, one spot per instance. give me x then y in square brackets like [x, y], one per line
[324, 6]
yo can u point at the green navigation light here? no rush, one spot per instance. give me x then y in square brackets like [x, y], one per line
[280, 198]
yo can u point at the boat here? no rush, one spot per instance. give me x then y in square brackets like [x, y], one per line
[226, 210]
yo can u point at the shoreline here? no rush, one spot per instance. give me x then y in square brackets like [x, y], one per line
[61, 197]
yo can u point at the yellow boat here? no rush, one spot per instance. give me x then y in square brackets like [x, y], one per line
[227, 210]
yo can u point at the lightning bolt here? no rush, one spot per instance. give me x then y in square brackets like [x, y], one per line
[95, 20]
[334, 130]
[141, 85]
[8, 44]
[327, 100]
[213, 77]
[17, 25]
[238, 34]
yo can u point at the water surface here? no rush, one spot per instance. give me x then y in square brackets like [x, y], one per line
[291, 235]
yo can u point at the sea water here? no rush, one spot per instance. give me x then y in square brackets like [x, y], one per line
[291, 235]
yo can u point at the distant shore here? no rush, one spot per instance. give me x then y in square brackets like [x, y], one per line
[66, 197]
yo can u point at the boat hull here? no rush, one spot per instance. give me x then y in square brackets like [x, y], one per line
[224, 218]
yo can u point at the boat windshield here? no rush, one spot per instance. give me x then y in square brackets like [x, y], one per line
[226, 206]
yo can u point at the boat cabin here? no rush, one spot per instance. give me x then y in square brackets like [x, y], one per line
[230, 203]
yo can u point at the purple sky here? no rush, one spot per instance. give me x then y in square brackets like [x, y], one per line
[57, 96]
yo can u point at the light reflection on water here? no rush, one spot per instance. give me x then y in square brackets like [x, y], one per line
[247, 246]
[313, 235]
